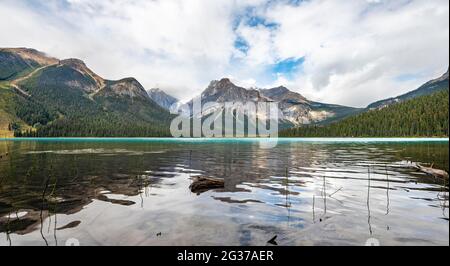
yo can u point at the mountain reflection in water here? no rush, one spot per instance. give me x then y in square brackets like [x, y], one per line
[137, 193]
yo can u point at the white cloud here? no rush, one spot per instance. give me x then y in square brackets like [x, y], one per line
[354, 50]
[260, 39]
[175, 44]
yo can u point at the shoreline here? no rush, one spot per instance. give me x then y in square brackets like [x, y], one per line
[218, 140]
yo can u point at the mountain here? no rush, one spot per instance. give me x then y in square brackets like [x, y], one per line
[423, 116]
[15, 62]
[43, 96]
[421, 112]
[300, 111]
[428, 88]
[296, 109]
[163, 99]
[283, 94]
[127, 87]
[224, 90]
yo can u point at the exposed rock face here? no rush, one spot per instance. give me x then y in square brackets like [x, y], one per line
[443, 78]
[282, 93]
[31, 55]
[428, 88]
[16, 62]
[60, 93]
[88, 81]
[71, 73]
[295, 109]
[128, 87]
[163, 99]
[80, 66]
[225, 91]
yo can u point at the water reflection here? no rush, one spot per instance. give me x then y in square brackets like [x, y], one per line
[137, 194]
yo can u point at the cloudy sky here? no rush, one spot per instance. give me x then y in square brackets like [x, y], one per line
[350, 52]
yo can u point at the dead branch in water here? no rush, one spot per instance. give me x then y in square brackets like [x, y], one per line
[432, 171]
[332, 194]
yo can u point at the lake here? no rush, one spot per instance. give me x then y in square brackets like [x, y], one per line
[304, 191]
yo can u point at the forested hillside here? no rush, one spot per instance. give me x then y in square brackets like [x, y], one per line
[425, 116]
[45, 97]
[41, 96]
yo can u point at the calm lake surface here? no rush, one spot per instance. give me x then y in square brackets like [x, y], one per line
[307, 192]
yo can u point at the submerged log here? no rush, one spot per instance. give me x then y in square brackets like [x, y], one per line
[202, 184]
[432, 171]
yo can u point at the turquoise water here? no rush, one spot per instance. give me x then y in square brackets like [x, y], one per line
[222, 140]
[305, 191]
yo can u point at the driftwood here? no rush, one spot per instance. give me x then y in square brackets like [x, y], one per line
[202, 184]
[432, 171]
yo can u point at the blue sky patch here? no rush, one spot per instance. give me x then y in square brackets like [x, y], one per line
[288, 67]
[241, 44]
[255, 21]
[250, 18]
